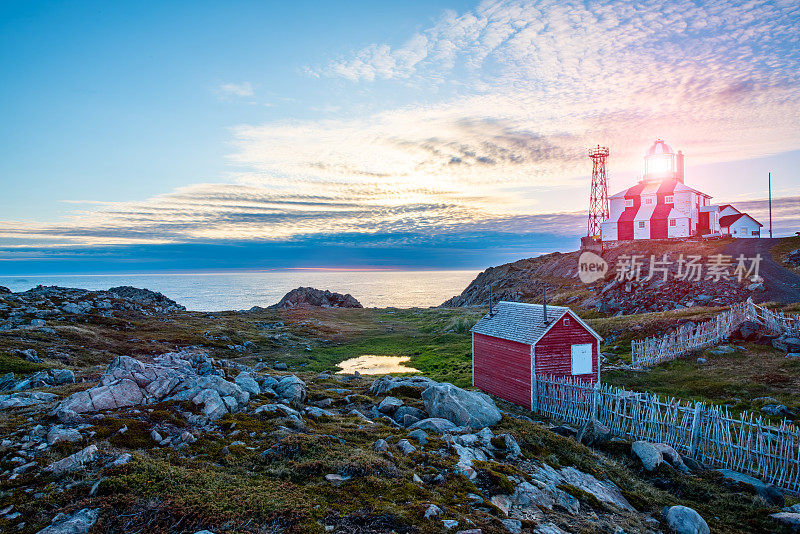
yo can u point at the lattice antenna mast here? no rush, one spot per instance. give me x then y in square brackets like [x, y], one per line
[598, 199]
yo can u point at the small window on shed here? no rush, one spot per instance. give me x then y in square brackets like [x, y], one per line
[566, 321]
[582, 359]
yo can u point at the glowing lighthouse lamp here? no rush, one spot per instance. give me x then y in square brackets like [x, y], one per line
[661, 163]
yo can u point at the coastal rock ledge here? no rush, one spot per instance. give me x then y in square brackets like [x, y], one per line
[304, 297]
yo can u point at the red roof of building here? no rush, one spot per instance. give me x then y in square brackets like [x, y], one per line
[728, 220]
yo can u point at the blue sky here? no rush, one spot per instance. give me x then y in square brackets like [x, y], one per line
[140, 136]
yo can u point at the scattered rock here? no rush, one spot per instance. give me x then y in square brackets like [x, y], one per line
[512, 525]
[548, 528]
[771, 493]
[671, 456]
[246, 381]
[787, 343]
[58, 435]
[593, 432]
[434, 424]
[78, 523]
[389, 405]
[380, 445]
[419, 435]
[722, 350]
[684, 520]
[336, 479]
[29, 355]
[564, 430]
[16, 400]
[73, 462]
[648, 453]
[777, 409]
[173, 376]
[405, 446]
[291, 389]
[790, 519]
[432, 511]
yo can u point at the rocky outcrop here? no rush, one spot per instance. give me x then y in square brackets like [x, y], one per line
[462, 407]
[173, 376]
[51, 377]
[30, 309]
[306, 297]
[18, 400]
[524, 280]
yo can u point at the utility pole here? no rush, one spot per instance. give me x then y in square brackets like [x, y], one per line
[769, 186]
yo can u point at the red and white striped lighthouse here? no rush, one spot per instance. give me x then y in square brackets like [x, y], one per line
[661, 205]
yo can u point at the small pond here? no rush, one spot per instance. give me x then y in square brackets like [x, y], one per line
[371, 364]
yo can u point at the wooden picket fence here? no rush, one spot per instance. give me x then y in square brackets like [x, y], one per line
[747, 443]
[658, 349]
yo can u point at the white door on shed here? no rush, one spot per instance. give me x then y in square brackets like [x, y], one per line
[582, 359]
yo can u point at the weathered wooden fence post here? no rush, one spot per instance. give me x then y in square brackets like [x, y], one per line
[595, 400]
[695, 438]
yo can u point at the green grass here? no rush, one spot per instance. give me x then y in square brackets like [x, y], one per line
[20, 366]
[735, 380]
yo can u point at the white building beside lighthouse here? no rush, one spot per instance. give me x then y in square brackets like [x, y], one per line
[661, 206]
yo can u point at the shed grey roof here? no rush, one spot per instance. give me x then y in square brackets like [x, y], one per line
[521, 322]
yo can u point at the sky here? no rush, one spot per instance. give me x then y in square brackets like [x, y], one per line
[149, 136]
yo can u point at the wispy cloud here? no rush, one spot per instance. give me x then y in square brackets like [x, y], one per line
[228, 90]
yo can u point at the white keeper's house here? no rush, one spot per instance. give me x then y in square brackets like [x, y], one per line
[661, 206]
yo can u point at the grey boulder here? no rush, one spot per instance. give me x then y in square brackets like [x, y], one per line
[462, 407]
[246, 381]
[648, 453]
[684, 520]
[593, 432]
[292, 389]
[434, 424]
[58, 435]
[73, 462]
[389, 405]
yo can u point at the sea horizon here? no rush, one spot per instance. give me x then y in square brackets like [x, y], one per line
[242, 289]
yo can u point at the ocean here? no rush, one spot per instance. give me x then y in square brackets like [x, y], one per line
[241, 291]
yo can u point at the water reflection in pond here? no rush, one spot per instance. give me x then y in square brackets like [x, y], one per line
[370, 364]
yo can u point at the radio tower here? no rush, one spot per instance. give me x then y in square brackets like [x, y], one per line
[598, 199]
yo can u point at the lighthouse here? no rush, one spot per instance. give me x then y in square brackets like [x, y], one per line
[662, 206]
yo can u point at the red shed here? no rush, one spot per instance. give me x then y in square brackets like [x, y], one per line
[516, 343]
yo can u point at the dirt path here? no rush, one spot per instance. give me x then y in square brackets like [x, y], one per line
[780, 285]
